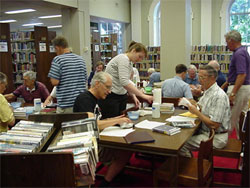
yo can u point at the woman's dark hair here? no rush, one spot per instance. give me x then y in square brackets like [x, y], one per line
[138, 47]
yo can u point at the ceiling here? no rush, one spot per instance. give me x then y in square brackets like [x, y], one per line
[42, 9]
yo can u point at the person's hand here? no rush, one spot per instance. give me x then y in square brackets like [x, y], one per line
[193, 109]
[136, 101]
[231, 100]
[148, 98]
[123, 120]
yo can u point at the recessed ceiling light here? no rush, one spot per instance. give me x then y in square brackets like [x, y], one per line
[54, 26]
[31, 24]
[52, 16]
[20, 11]
[7, 21]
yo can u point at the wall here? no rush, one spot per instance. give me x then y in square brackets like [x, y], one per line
[216, 22]
[196, 22]
[111, 9]
[70, 3]
[145, 6]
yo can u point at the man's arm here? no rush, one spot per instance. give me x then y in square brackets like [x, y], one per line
[238, 83]
[54, 81]
[9, 97]
[102, 124]
[209, 123]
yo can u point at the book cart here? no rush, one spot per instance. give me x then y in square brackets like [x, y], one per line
[42, 168]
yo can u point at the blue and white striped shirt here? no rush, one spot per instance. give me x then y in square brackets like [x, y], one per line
[70, 70]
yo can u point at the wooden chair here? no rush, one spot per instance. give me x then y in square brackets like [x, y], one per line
[192, 172]
[232, 149]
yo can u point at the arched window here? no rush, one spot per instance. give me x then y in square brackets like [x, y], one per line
[240, 19]
[157, 25]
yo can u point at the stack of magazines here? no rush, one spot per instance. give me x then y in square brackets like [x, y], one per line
[166, 129]
[79, 138]
[24, 137]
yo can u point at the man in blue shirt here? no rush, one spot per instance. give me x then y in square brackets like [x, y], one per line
[221, 79]
[192, 79]
[153, 77]
[176, 87]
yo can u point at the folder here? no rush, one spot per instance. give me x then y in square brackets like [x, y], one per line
[138, 137]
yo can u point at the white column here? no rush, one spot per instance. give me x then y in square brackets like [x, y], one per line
[206, 22]
[136, 20]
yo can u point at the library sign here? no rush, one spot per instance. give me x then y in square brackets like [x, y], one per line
[3, 47]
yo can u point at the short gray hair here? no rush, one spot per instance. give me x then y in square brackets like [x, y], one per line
[233, 35]
[192, 67]
[210, 70]
[214, 64]
[30, 74]
[3, 78]
[151, 70]
[101, 77]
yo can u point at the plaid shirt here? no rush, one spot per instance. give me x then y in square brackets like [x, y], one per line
[215, 104]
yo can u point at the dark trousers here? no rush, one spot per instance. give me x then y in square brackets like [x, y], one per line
[113, 105]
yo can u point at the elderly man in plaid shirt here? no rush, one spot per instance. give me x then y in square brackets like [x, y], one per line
[214, 113]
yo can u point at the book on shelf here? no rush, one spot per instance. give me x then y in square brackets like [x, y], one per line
[137, 137]
[166, 129]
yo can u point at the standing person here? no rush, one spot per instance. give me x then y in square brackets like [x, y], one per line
[120, 68]
[238, 81]
[30, 89]
[98, 67]
[6, 113]
[68, 73]
[153, 77]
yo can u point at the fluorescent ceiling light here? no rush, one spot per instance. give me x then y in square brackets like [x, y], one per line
[7, 21]
[20, 11]
[55, 26]
[31, 24]
[52, 16]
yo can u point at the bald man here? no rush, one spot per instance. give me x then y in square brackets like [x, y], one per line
[221, 79]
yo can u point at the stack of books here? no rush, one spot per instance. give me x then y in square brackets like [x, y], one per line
[24, 137]
[167, 107]
[166, 129]
[20, 112]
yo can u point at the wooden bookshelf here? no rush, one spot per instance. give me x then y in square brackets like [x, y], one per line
[108, 47]
[95, 48]
[31, 51]
[201, 55]
[152, 61]
[5, 56]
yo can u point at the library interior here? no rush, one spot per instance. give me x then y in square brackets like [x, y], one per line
[124, 93]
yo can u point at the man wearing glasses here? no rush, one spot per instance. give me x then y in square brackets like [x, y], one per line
[214, 113]
[87, 102]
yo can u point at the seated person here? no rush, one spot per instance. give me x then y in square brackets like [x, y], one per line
[221, 79]
[215, 113]
[87, 102]
[51, 97]
[6, 113]
[98, 67]
[153, 77]
[30, 89]
[192, 79]
[176, 87]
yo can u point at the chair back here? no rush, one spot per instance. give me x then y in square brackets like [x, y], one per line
[205, 155]
[174, 100]
[241, 121]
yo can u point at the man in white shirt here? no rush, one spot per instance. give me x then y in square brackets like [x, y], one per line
[214, 114]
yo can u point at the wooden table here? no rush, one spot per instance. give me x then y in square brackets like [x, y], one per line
[164, 145]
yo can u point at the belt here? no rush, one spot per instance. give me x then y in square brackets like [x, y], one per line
[221, 132]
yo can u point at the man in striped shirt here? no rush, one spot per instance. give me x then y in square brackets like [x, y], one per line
[68, 72]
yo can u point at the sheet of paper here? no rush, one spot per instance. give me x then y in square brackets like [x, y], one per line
[116, 131]
[148, 124]
[188, 114]
[180, 118]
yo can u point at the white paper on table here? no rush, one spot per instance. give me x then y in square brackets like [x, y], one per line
[180, 118]
[148, 124]
[116, 131]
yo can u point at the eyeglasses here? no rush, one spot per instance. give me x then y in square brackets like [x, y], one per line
[202, 77]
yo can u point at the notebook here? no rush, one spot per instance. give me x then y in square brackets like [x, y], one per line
[138, 137]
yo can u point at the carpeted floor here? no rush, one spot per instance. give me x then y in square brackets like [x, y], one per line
[134, 178]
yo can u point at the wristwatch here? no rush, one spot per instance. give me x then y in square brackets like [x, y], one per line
[232, 94]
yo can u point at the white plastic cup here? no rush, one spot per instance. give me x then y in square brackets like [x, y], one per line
[37, 105]
[156, 110]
